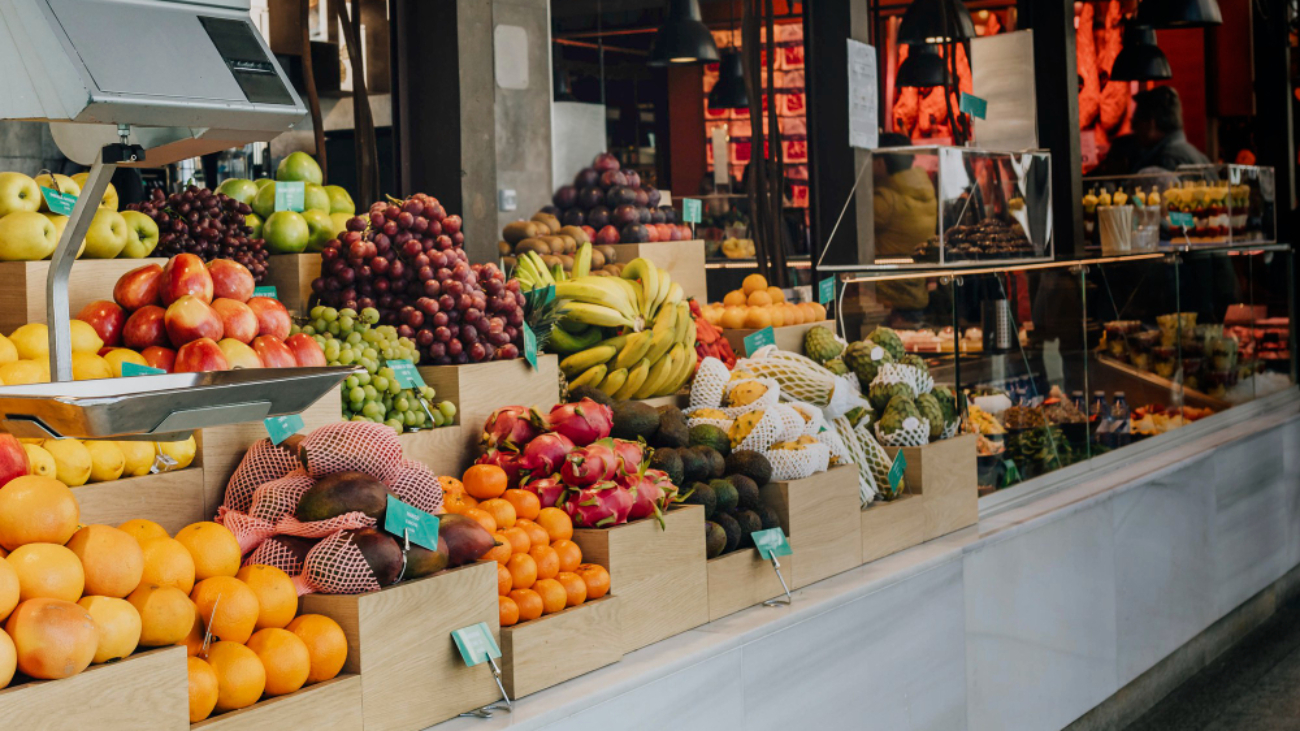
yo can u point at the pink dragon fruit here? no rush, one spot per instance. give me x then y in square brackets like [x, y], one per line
[602, 505]
[630, 456]
[589, 465]
[652, 493]
[584, 422]
[517, 466]
[549, 451]
[509, 427]
[548, 490]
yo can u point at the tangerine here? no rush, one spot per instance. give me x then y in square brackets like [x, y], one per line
[758, 317]
[451, 484]
[241, 679]
[49, 571]
[228, 607]
[483, 518]
[285, 658]
[596, 577]
[537, 535]
[575, 588]
[519, 540]
[547, 560]
[213, 547]
[143, 530]
[500, 551]
[111, 558]
[733, 318]
[527, 505]
[558, 524]
[509, 611]
[485, 481]
[36, 510]
[326, 644]
[569, 553]
[167, 563]
[529, 603]
[118, 624]
[457, 502]
[505, 580]
[203, 688]
[776, 294]
[277, 599]
[554, 596]
[523, 570]
[166, 614]
[53, 639]
[501, 510]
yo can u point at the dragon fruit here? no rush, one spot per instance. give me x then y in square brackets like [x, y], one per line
[511, 426]
[549, 450]
[630, 456]
[517, 466]
[602, 505]
[589, 465]
[548, 490]
[652, 493]
[584, 422]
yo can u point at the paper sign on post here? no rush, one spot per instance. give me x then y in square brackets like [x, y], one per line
[864, 97]
[692, 210]
[530, 346]
[60, 203]
[290, 195]
[754, 341]
[896, 471]
[266, 291]
[281, 428]
[410, 523]
[973, 105]
[771, 542]
[132, 369]
[476, 644]
[407, 375]
[826, 291]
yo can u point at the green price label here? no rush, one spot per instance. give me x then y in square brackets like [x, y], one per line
[973, 105]
[692, 210]
[266, 291]
[1179, 218]
[1013, 472]
[60, 203]
[290, 195]
[408, 376]
[530, 346]
[771, 542]
[281, 428]
[413, 524]
[826, 291]
[896, 471]
[132, 369]
[754, 341]
[476, 644]
[545, 295]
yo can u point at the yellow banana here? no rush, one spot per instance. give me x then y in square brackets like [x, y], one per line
[614, 381]
[563, 341]
[579, 362]
[636, 378]
[665, 282]
[590, 377]
[638, 344]
[659, 373]
[675, 294]
[684, 372]
[598, 291]
[684, 321]
[644, 270]
[598, 315]
[633, 290]
[663, 334]
[582, 263]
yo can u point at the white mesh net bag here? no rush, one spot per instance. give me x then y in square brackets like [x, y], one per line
[362, 446]
[710, 384]
[723, 424]
[796, 464]
[867, 454]
[915, 433]
[801, 378]
[286, 553]
[792, 423]
[417, 486]
[920, 381]
[765, 431]
[770, 397]
[814, 420]
[839, 454]
[951, 429]
[262, 463]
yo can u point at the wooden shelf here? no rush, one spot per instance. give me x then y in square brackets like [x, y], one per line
[442, 450]
[888, 528]
[788, 337]
[22, 298]
[170, 499]
[820, 515]
[292, 275]
[944, 473]
[334, 705]
[741, 579]
[478, 389]
[547, 651]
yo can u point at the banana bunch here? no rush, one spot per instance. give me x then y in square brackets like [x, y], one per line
[631, 336]
[533, 273]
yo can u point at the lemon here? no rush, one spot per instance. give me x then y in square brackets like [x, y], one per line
[87, 366]
[42, 462]
[71, 460]
[84, 338]
[139, 457]
[106, 461]
[118, 356]
[180, 452]
[32, 341]
[22, 372]
[8, 353]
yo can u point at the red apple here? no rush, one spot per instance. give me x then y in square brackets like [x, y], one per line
[159, 357]
[185, 274]
[139, 287]
[273, 352]
[591, 232]
[686, 232]
[107, 318]
[306, 351]
[145, 327]
[198, 356]
[13, 459]
[239, 355]
[607, 235]
[190, 318]
[272, 317]
[237, 319]
[231, 279]
[652, 233]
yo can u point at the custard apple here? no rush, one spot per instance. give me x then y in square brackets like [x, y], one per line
[865, 358]
[929, 407]
[899, 410]
[915, 361]
[882, 393]
[857, 415]
[889, 340]
[947, 402]
[821, 345]
[836, 366]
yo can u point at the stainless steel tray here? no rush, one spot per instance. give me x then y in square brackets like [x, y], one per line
[161, 408]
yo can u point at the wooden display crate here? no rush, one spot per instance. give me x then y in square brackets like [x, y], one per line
[681, 400]
[659, 573]
[22, 299]
[788, 337]
[549, 650]
[683, 260]
[334, 705]
[399, 640]
[170, 499]
[148, 691]
[820, 515]
[478, 389]
[944, 474]
[888, 528]
[441, 450]
[740, 580]
[292, 275]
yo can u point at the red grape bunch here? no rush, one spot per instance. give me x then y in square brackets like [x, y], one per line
[405, 259]
[208, 224]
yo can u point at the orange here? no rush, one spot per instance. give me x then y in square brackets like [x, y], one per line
[526, 503]
[203, 689]
[166, 614]
[326, 644]
[537, 535]
[501, 511]
[167, 563]
[228, 607]
[240, 675]
[450, 484]
[733, 318]
[213, 547]
[112, 560]
[557, 523]
[758, 317]
[596, 578]
[8, 660]
[118, 624]
[483, 518]
[554, 596]
[754, 282]
[569, 553]
[10, 590]
[547, 560]
[36, 510]
[142, 530]
[759, 298]
[508, 609]
[277, 599]
[776, 294]
[575, 588]
[778, 316]
[456, 502]
[523, 569]
[52, 638]
[505, 580]
[284, 656]
[519, 540]
[47, 570]
[529, 603]
[734, 298]
[485, 481]
[501, 551]
[194, 640]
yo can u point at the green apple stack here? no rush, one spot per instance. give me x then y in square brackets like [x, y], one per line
[326, 208]
[29, 230]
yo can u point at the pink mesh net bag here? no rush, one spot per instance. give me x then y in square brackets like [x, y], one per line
[291, 526]
[362, 446]
[262, 463]
[271, 502]
[417, 486]
[336, 566]
[286, 553]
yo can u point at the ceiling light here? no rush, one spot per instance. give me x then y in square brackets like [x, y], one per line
[730, 91]
[683, 38]
[936, 21]
[922, 68]
[1140, 59]
[1179, 13]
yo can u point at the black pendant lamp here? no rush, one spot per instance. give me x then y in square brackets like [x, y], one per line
[1140, 59]
[936, 21]
[922, 68]
[1179, 13]
[730, 91]
[683, 38]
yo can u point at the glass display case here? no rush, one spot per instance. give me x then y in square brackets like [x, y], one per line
[1057, 364]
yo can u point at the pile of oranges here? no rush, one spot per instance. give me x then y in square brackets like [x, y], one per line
[539, 567]
[756, 305]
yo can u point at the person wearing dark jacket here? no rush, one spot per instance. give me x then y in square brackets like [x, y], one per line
[1158, 132]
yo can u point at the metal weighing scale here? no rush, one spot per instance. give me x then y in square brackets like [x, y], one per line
[142, 83]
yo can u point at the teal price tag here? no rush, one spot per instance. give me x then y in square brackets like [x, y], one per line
[132, 369]
[476, 644]
[290, 195]
[60, 203]
[1012, 472]
[754, 341]
[546, 294]
[265, 291]
[530, 346]
[411, 523]
[281, 428]
[692, 210]
[771, 543]
[408, 376]
[1180, 218]
[896, 471]
[973, 105]
[826, 291]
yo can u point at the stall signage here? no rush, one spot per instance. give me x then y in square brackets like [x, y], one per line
[290, 195]
[530, 346]
[133, 369]
[266, 291]
[692, 210]
[476, 644]
[1182, 218]
[896, 471]
[407, 375]
[826, 291]
[281, 428]
[411, 523]
[974, 106]
[754, 341]
[771, 543]
[60, 203]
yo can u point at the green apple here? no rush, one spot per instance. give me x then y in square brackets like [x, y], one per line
[286, 232]
[315, 198]
[109, 200]
[27, 236]
[264, 202]
[299, 166]
[340, 201]
[241, 189]
[263, 181]
[107, 235]
[322, 229]
[61, 183]
[60, 223]
[18, 193]
[141, 235]
[254, 221]
[340, 221]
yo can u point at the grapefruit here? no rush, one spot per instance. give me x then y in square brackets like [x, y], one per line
[112, 560]
[36, 510]
[53, 639]
[49, 571]
[118, 624]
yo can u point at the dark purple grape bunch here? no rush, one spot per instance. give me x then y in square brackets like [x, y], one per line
[205, 223]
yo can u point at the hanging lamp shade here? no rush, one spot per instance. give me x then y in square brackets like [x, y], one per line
[922, 68]
[683, 38]
[935, 21]
[1179, 13]
[1140, 59]
[730, 91]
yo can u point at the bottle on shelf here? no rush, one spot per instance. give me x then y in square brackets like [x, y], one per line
[1099, 418]
[1121, 428]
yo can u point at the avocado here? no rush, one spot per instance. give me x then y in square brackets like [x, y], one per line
[769, 517]
[694, 465]
[732, 528]
[595, 394]
[727, 496]
[751, 464]
[670, 462]
[702, 494]
[708, 435]
[381, 553]
[715, 540]
[634, 420]
[342, 493]
[673, 431]
[749, 523]
[747, 492]
[717, 463]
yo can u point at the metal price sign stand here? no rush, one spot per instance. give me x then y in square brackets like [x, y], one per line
[772, 543]
[477, 646]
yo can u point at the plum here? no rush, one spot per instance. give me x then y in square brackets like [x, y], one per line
[620, 195]
[624, 215]
[653, 194]
[605, 162]
[642, 197]
[633, 178]
[586, 178]
[657, 216]
[643, 215]
[598, 217]
[591, 197]
[566, 197]
[634, 234]
[574, 217]
[612, 178]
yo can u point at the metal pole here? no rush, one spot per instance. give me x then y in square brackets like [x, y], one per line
[56, 283]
